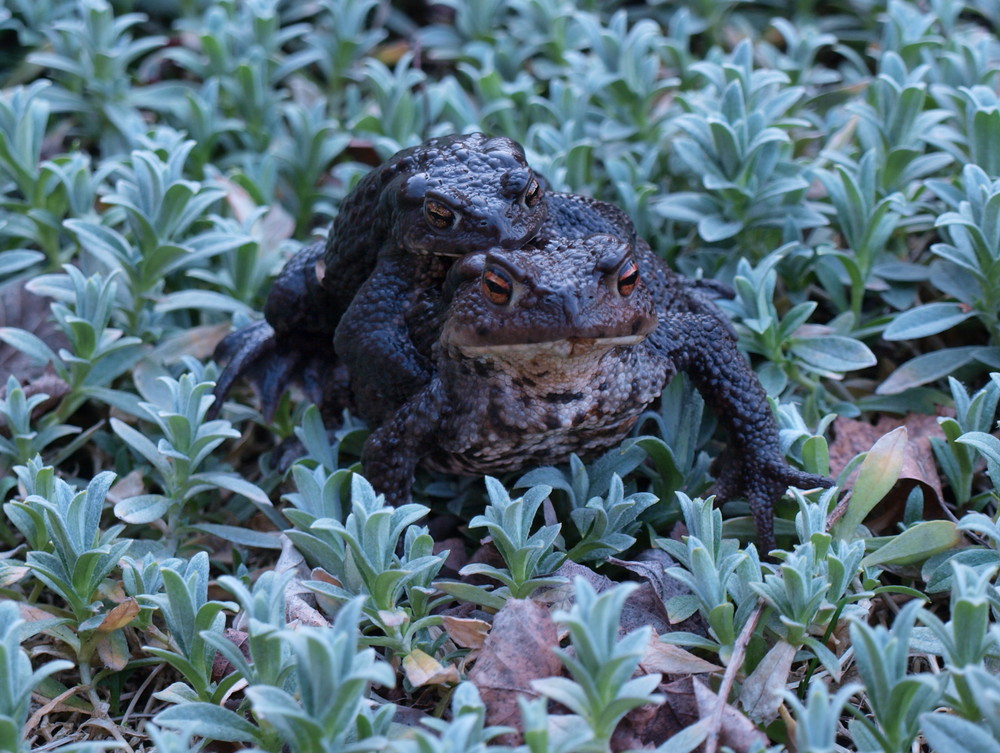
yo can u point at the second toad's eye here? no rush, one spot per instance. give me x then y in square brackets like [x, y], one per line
[439, 215]
[628, 278]
[496, 286]
[532, 193]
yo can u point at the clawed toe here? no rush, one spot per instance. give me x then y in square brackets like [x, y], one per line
[241, 349]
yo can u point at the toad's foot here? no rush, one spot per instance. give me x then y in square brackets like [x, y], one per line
[272, 362]
[762, 483]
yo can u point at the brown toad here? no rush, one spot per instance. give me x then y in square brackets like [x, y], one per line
[542, 352]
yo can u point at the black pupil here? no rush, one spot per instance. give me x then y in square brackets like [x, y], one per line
[629, 277]
[497, 285]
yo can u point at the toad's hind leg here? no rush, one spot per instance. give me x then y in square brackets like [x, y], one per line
[291, 345]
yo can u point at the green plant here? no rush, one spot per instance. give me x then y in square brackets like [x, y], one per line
[467, 730]
[734, 137]
[189, 615]
[530, 557]
[16, 411]
[973, 413]
[263, 609]
[967, 271]
[866, 218]
[896, 697]
[90, 59]
[719, 575]
[600, 691]
[944, 730]
[798, 355]
[607, 523]
[17, 678]
[365, 563]
[98, 353]
[186, 443]
[967, 638]
[333, 677]
[819, 717]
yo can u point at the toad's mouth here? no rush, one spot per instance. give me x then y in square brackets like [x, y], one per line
[563, 348]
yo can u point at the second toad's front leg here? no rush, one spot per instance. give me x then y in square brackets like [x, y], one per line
[374, 342]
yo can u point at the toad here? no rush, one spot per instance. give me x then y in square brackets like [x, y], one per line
[397, 233]
[557, 348]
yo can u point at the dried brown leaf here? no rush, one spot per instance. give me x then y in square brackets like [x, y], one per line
[760, 695]
[25, 310]
[129, 485]
[517, 650]
[737, 732]
[668, 659]
[423, 669]
[466, 631]
[120, 616]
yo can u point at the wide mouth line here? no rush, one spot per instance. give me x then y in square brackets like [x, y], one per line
[548, 345]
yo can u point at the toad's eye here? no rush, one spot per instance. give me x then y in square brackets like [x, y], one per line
[496, 286]
[628, 278]
[533, 193]
[439, 215]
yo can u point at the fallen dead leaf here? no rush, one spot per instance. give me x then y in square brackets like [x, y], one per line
[651, 726]
[668, 659]
[466, 631]
[423, 669]
[737, 732]
[129, 485]
[23, 309]
[120, 616]
[761, 694]
[517, 650]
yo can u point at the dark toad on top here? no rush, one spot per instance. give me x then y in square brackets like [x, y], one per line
[386, 257]
[557, 349]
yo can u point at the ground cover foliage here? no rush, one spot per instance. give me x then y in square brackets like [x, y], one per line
[163, 586]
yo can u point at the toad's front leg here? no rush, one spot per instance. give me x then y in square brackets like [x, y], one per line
[373, 339]
[754, 467]
[393, 450]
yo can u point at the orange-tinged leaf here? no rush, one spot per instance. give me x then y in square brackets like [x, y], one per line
[466, 631]
[423, 669]
[669, 659]
[11, 574]
[120, 616]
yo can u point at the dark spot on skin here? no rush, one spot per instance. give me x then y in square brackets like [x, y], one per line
[482, 331]
[552, 422]
[563, 397]
[493, 411]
